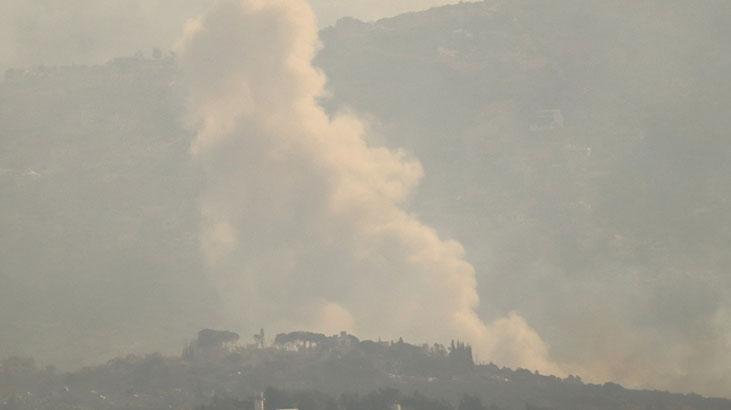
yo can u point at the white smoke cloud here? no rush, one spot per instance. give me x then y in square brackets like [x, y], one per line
[304, 222]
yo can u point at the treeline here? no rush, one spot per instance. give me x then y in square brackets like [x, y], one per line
[315, 371]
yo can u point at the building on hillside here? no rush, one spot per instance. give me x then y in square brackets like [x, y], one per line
[259, 402]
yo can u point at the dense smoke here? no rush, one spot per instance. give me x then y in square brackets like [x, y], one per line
[607, 232]
[304, 222]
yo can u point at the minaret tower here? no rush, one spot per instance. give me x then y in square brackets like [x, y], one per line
[259, 404]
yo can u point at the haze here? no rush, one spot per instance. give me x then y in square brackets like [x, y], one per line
[548, 181]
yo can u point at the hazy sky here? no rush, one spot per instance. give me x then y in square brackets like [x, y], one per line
[91, 31]
[329, 11]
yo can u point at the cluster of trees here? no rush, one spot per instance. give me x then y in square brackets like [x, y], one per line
[340, 373]
[458, 353]
[210, 342]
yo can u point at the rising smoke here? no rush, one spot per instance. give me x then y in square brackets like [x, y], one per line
[618, 259]
[305, 222]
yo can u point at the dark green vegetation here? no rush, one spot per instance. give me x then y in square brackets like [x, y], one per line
[316, 372]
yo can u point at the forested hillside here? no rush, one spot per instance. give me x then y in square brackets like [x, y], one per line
[99, 202]
[313, 371]
[556, 148]
[579, 151]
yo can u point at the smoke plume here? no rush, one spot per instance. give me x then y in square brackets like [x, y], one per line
[304, 223]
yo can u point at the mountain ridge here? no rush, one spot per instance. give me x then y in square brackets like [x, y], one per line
[216, 367]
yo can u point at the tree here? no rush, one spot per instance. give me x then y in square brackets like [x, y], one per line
[259, 339]
[216, 338]
[461, 354]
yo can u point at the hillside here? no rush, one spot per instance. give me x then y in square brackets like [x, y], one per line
[579, 151]
[315, 371]
[557, 149]
[99, 209]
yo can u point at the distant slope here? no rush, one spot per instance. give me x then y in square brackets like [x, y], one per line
[98, 217]
[304, 362]
[580, 152]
